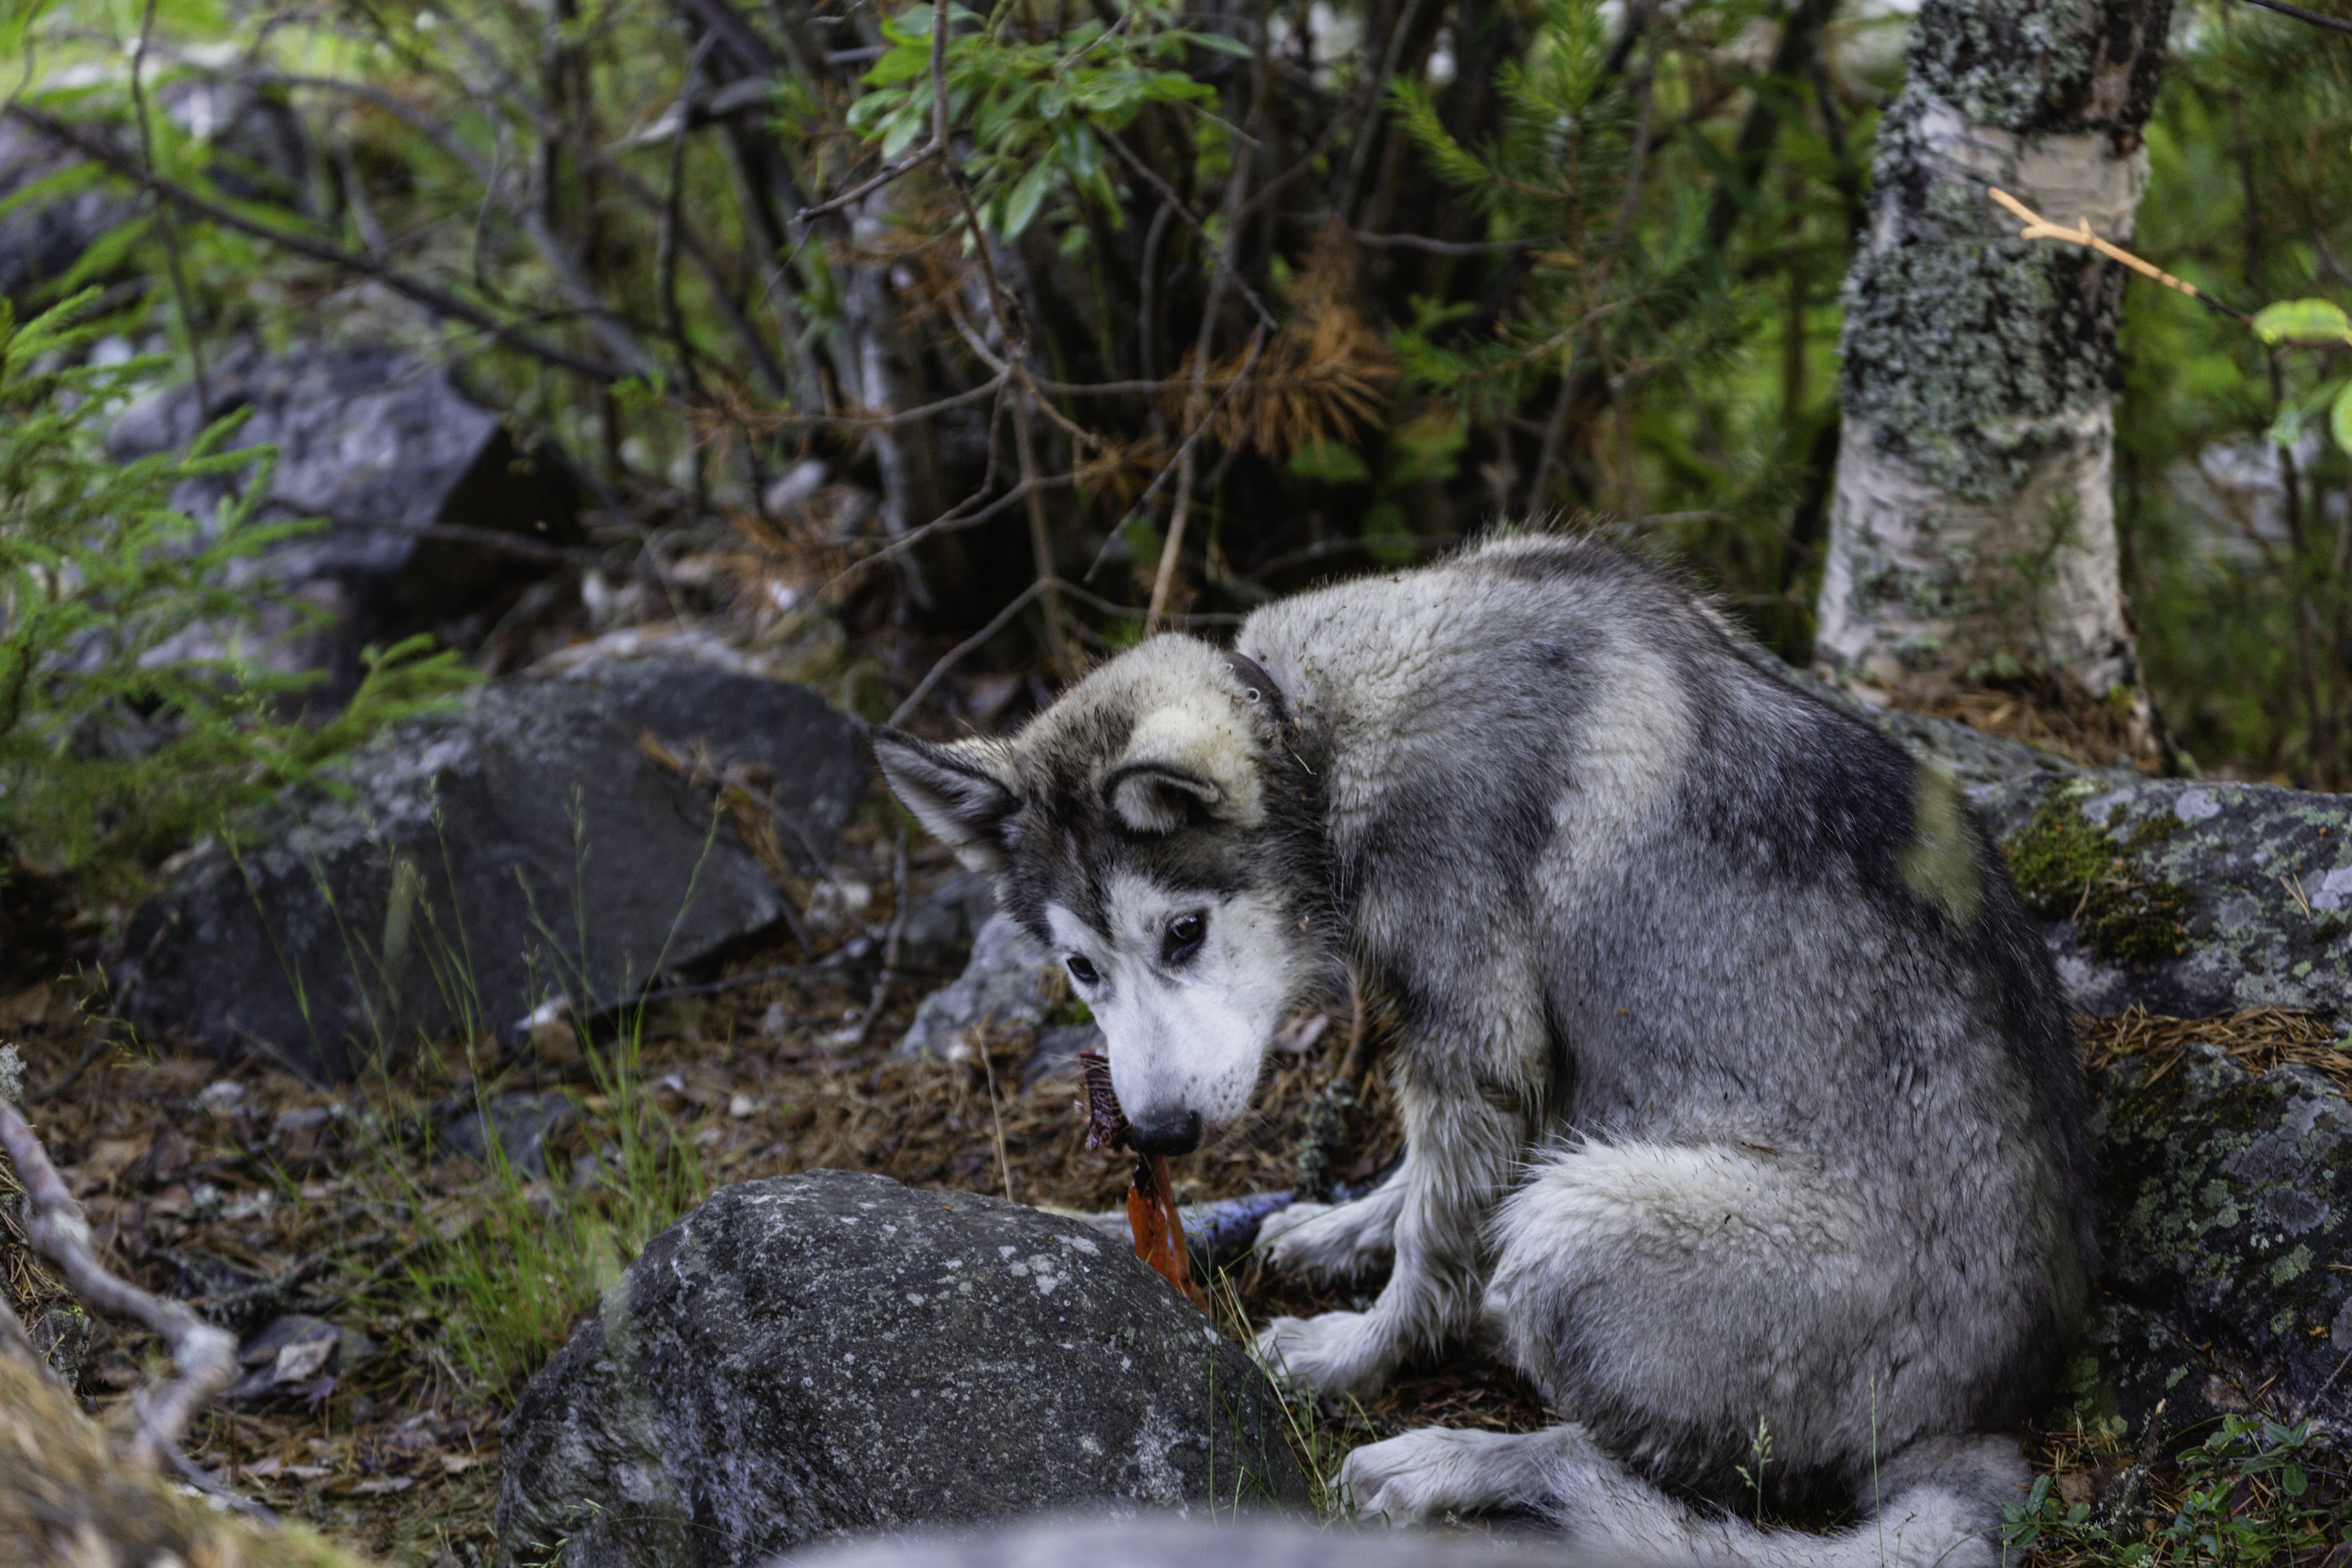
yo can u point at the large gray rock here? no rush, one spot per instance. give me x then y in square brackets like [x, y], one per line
[2225, 1209]
[942, 922]
[433, 510]
[481, 862]
[814, 1356]
[2208, 898]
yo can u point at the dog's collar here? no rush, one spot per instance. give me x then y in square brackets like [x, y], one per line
[1259, 687]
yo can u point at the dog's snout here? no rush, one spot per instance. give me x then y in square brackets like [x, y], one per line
[1176, 1133]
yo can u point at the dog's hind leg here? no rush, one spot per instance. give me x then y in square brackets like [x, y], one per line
[1684, 1301]
[1942, 1509]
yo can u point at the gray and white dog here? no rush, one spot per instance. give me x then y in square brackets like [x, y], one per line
[1740, 1103]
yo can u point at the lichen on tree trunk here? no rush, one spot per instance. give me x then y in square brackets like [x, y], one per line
[1972, 526]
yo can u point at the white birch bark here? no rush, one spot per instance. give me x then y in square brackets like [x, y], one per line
[1972, 525]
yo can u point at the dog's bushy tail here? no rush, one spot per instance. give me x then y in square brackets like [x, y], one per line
[1941, 1507]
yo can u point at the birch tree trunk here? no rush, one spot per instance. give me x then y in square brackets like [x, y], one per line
[1972, 526]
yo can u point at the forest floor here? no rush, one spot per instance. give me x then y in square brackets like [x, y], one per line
[452, 1275]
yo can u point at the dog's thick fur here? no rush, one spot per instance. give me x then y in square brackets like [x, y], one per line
[1739, 1091]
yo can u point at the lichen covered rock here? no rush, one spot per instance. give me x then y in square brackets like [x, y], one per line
[2187, 897]
[808, 1357]
[2226, 1208]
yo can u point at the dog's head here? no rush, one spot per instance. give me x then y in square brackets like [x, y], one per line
[1155, 828]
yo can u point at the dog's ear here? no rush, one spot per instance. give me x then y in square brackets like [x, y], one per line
[1183, 758]
[1151, 797]
[961, 791]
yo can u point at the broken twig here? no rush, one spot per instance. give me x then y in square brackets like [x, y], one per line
[2039, 228]
[59, 1231]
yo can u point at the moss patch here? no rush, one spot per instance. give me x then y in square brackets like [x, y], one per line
[2067, 867]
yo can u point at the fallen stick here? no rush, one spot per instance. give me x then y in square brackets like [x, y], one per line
[59, 1231]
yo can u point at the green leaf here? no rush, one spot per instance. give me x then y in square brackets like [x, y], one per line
[1219, 42]
[2339, 418]
[1022, 205]
[904, 63]
[1389, 537]
[2303, 321]
[2287, 428]
[1426, 448]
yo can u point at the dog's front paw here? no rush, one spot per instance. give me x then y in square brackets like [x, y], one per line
[1337, 1353]
[1406, 1480]
[1440, 1470]
[1324, 1241]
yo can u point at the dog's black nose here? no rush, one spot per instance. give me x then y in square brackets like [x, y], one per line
[1176, 1135]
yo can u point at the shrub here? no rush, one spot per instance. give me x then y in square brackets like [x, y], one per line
[133, 708]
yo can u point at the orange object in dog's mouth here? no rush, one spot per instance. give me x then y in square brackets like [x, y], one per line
[1151, 1216]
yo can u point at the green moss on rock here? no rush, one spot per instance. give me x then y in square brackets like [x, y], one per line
[2067, 867]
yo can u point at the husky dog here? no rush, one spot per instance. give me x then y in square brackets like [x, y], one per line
[1741, 1108]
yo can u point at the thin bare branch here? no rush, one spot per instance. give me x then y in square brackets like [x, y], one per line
[1453, 247]
[884, 421]
[1249, 363]
[59, 1231]
[441, 302]
[2300, 15]
[2039, 228]
[1215, 252]
[956, 655]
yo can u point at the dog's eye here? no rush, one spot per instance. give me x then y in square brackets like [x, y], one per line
[1184, 933]
[1082, 970]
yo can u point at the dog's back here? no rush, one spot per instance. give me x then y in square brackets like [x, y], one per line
[1752, 919]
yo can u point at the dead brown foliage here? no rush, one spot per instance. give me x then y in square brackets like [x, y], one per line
[2047, 715]
[1323, 374]
[2258, 1040]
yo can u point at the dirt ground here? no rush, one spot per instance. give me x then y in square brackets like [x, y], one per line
[257, 1196]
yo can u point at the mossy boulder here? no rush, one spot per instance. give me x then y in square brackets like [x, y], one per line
[2191, 897]
[2184, 897]
[2225, 1207]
